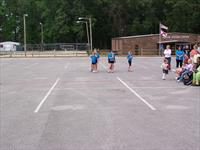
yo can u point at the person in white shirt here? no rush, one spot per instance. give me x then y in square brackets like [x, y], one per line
[167, 54]
[198, 48]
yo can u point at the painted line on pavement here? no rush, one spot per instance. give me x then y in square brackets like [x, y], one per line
[29, 66]
[66, 66]
[134, 92]
[103, 65]
[46, 96]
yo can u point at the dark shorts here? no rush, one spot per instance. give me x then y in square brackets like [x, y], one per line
[111, 62]
[165, 71]
[129, 62]
[94, 63]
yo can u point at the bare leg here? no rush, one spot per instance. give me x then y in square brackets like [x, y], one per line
[163, 76]
[95, 67]
[109, 69]
[112, 67]
[91, 67]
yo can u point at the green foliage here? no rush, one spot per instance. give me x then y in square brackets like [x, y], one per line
[110, 18]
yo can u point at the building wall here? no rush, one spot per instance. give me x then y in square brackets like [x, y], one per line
[138, 43]
[198, 38]
[192, 38]
[117, 44]
[134, 43]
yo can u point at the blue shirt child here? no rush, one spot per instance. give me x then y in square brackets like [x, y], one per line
[111, 56]
[93, 59]
[130, 57]
[98, 56]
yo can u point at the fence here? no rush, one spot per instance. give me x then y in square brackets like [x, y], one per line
[55, 50]
[57, 47]
[68, 49]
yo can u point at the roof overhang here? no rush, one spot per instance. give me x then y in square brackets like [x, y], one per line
[172, 41]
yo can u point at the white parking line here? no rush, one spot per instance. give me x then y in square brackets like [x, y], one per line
[46, 96]
[66, 66]
[134, 92]
[29, 66]
[103, 65]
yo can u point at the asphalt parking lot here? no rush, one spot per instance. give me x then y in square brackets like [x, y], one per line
[58, 104]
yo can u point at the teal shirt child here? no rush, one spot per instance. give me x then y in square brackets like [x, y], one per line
[179, 54]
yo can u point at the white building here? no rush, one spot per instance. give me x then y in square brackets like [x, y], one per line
[9, 46]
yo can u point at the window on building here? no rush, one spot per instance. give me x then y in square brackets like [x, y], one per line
[136, 47]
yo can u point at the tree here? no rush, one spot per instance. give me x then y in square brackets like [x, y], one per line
[110, 18]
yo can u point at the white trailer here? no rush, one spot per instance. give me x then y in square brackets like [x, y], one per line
[9, 46]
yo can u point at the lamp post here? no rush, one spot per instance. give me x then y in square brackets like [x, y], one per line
[90, 23]
[42, 38]
[17, 28]
[25, 15]
[88, 40]
[1, 34]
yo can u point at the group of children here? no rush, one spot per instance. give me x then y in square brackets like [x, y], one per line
[187, 65]
[94, 58]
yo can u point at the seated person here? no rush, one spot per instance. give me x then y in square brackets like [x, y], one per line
[179, 70]
[196, 74]
[188, 68]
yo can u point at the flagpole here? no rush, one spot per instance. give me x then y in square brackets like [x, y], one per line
[160, 39]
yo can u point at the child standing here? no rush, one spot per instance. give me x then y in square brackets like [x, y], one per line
[111, 61]
[130, 58]
[165, 68]
[98, 56]
[93, 58]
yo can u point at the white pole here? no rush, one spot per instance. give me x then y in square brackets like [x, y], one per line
[88, 39]
[24, 33]
[90, 20]
[90, 23]
[24, 16]
[42, 40]
[160, 40]
[42, 37]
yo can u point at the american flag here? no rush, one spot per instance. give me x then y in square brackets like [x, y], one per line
[163, 30]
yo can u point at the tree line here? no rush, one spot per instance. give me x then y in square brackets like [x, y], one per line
[110, 18]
